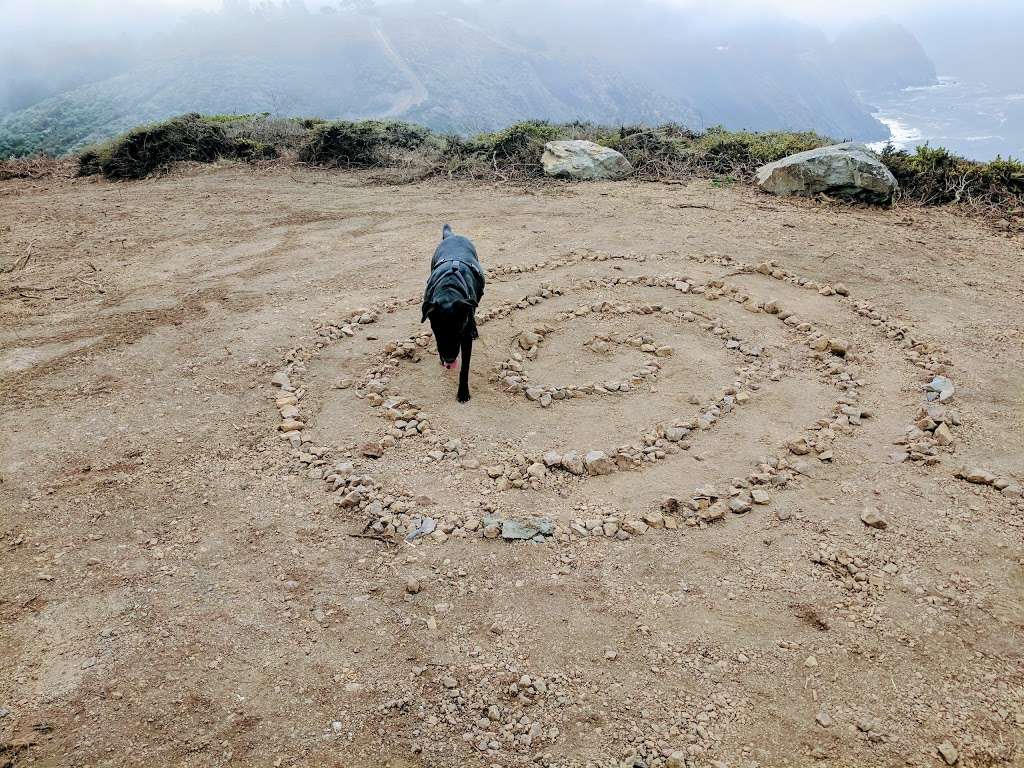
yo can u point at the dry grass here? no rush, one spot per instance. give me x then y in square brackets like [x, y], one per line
[38, 167]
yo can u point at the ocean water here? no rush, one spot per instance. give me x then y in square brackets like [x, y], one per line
[968, 118]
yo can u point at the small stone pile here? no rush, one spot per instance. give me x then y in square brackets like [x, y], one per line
[499, 709]
[855, 572]
[978, 476]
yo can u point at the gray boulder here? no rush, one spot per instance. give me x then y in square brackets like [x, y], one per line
[584, 160]
[848, 171]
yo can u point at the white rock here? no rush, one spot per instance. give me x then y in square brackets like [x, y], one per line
[584, 160]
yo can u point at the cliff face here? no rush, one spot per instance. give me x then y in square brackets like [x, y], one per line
[881, 56]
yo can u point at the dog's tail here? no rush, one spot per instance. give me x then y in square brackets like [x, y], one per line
[446, 231]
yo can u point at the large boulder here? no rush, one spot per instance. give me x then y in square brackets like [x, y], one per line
[584, 160]
[849, 171]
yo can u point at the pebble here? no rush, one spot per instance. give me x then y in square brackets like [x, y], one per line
[280, 379]
[872, 518]
[372, 450]
[597, 463]
[739, 505]
[948, 753]
[979, 476]
[824, 719]
[941, 387]
[412, 585]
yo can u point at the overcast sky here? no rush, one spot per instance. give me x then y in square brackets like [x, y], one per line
[59, 19]
[809, 9]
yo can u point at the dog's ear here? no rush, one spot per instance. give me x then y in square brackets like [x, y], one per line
[428, 307]
[471, 303]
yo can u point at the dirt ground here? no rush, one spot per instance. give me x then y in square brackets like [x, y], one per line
[178, 587]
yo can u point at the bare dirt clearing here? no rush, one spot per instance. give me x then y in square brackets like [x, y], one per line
[178, 587]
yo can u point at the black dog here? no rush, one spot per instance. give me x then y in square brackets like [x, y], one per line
[454, 290]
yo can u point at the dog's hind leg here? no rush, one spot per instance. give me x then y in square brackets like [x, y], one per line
[467, 354]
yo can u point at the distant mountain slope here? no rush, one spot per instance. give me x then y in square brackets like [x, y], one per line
[881, 56]
[469, 72]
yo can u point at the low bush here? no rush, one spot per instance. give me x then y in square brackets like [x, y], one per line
[934, 176]
[365, 144]
[928, 176]
[146, 149]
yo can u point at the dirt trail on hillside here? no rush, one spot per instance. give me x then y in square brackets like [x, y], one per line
[768, 559]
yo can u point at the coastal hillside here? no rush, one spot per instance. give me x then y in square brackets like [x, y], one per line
[454, 67]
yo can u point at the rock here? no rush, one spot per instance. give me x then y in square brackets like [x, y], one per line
[280, 379]
[598, 463]
[676, 760]
[292, 425]
[515, 530]
[412, 586]
[943, 387]
[979, 476]
[635, 527]
[838, 347]
[739, 505]
[350, 500]
[529, 339]
[552, 459]
[572, 463]
[873, 519]
[712, 513]
[584, 160]
[675, 434]
[849, 171]
[943, 435]
[372, 450]
[798, 447]
[426, 527]
[663, 351]
[760, 496]
[654, 519]
[824, 719]
[948, 753]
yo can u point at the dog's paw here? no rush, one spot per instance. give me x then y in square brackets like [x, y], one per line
[462, 397]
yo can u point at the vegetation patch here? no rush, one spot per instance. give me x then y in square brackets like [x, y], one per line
[36, 167]
[934, 176]
[192, 137]
[927, 176]
[365, 144]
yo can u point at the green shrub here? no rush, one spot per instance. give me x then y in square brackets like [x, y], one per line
[144, 150]
[929, 176]
[741, 153]
[365, 144]
[251, 150]
[933, 176]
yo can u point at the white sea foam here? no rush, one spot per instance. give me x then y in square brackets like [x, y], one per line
[901, 136]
